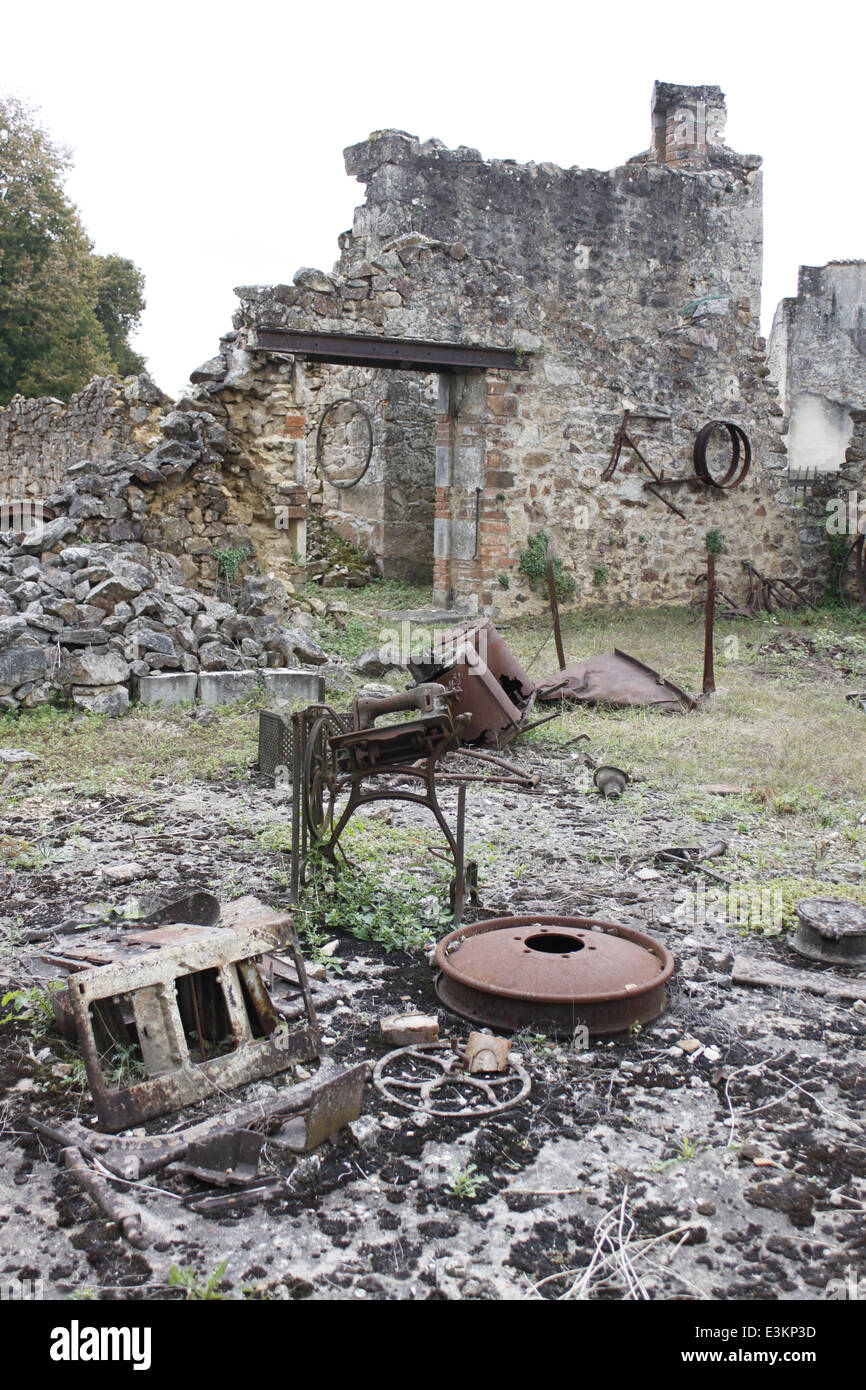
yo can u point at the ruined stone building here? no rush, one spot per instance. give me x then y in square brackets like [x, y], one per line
[485, 327]
[817, 353]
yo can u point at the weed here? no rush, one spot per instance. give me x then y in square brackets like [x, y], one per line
[466, 1182]
[533, 564]
[771, 906]
[689, 1149]
[185, 1277]
[380, 901]
[32, 1007]
[229, 561]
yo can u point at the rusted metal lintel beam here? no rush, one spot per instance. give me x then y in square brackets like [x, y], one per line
[409, 354]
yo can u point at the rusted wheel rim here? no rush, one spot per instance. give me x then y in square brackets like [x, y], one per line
[562, 970]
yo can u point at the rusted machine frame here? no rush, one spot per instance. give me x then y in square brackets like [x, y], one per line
[762, 591]
[150, 980]
[354, 760]
[733, 477]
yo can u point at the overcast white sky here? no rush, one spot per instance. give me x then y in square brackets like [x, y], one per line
[208, 137]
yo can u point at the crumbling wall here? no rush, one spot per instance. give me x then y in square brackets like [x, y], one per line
[817, 354]
[40, 439]
[637, 286]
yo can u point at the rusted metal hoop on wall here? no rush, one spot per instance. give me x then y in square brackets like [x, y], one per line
[365, 414]
[736, 473]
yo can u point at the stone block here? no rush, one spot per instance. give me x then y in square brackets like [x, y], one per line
[289, 684]
[226, 687]
[168, 688]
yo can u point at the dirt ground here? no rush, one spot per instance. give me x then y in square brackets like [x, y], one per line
[717, 1154]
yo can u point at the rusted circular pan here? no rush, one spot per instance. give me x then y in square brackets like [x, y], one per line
[554, 973]
[832, 931]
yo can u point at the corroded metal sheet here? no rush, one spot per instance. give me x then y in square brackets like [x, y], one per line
[615, 678]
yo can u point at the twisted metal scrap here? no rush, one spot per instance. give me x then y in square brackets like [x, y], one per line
[422, 1092]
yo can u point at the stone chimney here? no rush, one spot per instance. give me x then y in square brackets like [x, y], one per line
[688, 126]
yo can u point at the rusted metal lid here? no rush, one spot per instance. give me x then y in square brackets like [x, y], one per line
[831, 930]
[554, 972]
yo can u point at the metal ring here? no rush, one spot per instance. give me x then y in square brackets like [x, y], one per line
[420, 1091]
[365, 414]
[739, 440]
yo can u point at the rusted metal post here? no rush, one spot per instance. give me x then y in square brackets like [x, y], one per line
[459, 862]
[714, 545]
[554, 607]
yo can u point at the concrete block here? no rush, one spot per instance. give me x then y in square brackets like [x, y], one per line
[225, 687]
[288, 684]
[168, 688]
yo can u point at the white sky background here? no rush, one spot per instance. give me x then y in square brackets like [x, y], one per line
[208, 137]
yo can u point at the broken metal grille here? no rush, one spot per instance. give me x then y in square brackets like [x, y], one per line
[275, 743]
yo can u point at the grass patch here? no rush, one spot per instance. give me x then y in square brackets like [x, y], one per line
[784, 893]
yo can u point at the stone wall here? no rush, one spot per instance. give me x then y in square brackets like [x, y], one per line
[817, 353]
[40, 439]
[635, 287]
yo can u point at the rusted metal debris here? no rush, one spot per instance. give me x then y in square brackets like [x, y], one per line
[321, 1106]
[692, 858]
[852, 574]
[611, 781]
[770, 593]
[831, 931]
[191, 1015]
[119, 1208]
[736, 471]
[617, 679]
[493, 695]
[433, 1077]
[554, 606]
[553, 973]
[330, 760]
[225, 1160]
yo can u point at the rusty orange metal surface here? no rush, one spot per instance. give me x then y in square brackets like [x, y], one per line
[556, 973]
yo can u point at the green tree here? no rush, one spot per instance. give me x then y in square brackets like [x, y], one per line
[119, 302]
[65, 313]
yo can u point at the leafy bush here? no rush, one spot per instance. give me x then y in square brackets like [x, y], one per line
[533, 564]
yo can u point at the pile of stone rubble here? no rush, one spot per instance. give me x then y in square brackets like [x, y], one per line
[97, 624]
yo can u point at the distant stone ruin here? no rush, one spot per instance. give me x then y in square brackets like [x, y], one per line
[175, 533]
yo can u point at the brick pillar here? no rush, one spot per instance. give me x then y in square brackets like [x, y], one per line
[445, 433]
[294, 428]
[460, 467]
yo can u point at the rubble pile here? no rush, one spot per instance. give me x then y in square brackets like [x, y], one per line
[85, 622]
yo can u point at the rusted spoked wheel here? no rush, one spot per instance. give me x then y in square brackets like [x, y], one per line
[320, 777]
[852, 575]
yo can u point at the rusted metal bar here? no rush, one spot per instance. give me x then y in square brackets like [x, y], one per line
[127, 1215]
[709, 624]
[554, 606]
[409, 354]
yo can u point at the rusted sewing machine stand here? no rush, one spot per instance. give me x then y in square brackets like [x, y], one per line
[329, 759]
